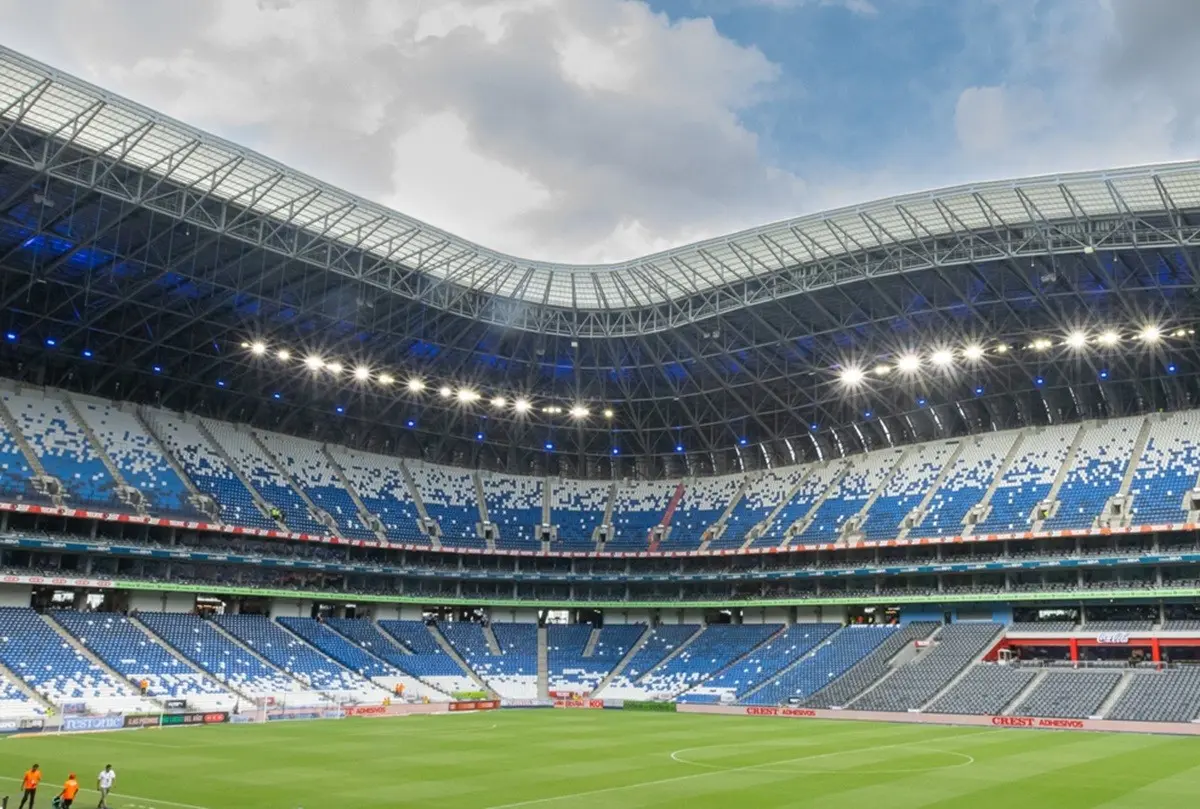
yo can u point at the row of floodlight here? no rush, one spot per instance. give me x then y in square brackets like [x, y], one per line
[464, 394]
[944, 358]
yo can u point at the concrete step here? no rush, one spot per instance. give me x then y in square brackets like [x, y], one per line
[454, 655]
[175, 653]
[624, 661]
[543, 660]
[90, 655]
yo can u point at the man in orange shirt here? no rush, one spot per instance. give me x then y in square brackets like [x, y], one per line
[29, 785]
[70, 790]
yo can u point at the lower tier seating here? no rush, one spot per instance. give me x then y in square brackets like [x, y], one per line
[1069, 694]
[841, 691]
[1160, 696]
[986, 689]
[762, 664]
[824, 665]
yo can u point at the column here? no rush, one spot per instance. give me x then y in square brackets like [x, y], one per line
[1074, 649]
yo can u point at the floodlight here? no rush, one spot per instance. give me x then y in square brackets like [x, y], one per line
[973, 352]
[283, 354]
[579, 412]
[1076, 339]
[415, 385]
[608, 413]
[882, 369]
[499, 401]
[522, 405]
[334, 367]
[258, 348]
[1001, 348]
[1109, 338]
[314, 363]
[1151, 334]
[386, 379]
[362, 373]
[466, 395]
[445, 392]
[245, 344]
[852, 376]
[942, 357]
[1040, 344]
[909, 363]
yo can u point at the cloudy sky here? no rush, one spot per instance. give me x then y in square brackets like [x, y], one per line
[598, 130]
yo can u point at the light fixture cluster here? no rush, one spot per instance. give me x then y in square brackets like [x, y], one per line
[464, 395]
[944, 358]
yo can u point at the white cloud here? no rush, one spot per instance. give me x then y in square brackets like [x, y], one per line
[576, 130]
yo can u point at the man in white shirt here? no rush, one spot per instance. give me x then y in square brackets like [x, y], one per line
[104, 782]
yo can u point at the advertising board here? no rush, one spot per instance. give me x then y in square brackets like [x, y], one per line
[76, 724]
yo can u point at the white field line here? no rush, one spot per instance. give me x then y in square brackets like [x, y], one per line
[149, 802]
[709, 773]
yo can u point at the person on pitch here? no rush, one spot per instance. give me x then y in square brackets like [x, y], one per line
[104, 782]
[29, 785]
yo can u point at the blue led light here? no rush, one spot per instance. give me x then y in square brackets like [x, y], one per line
[340, 409]
[478, 436]
[814, 427]
[921, 402]
[411, 423]
[50, 341]
[87, 352]
[220, 383]
[742, 441]
[12, 336]
[979, 391]
[1104, 374]
[158, 369]
[616, 451]
[276, 396]
[1039, 381]
[1171, 368]
[679, 447]
[867, 414]
[549, 446]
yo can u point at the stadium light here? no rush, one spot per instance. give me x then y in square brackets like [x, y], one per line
[258, 348]
[1109, 338]
[608, 413]
[1041, 344]
[852, 376]
[466, 395]
[283, 355]
[415, 385]
[1001, 348]
[881, 369]
[334, 367]
[973, 352]
[579, 412]
[362, 373]
[522, 405]
[909, 363]
[445, 392]
[1077, 339]
[386, 379]
[313, 362]
[1151, 334]
[499, 401]
[942, 358]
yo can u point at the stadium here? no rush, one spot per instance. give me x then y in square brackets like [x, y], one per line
[896, 502]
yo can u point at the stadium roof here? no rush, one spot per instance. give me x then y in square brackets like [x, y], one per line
[137, 255]
[359, 238]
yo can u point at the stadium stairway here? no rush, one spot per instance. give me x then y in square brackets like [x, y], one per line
[98, 447]
[984, 506]
[203, 502]
[590, 647]
[772, 638]
[31, 457]
[329, 524]
[867, 673]
[215, 447]
[624, 661]
[37, 702]
[965, 669]
[434, 541]
[87, 653]
[364, 515]
[543, 662]
[1115, 695]
[183, 660]
[718, 528]
[922, 506]
[1023, 693]
[245, 647]
[370, 637]
[449, 649]
[490, 636]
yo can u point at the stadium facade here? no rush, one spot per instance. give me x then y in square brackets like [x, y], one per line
[856, 458]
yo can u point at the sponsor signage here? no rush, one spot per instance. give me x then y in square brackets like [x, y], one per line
[73, 724]
[365, 710]
[33, 724]
[476, 705]
[175, 704]
[591, 704]
[1037, 722]
[276, 716]
[177, 719]
[1112, 637]
[762, 710]
[142, 721]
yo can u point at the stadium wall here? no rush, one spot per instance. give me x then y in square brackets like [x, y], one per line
[1025, 722]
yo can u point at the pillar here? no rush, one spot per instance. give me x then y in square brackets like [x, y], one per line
[1155, 652]
[1074, 650]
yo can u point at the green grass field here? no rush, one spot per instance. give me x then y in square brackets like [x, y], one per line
[590, 759]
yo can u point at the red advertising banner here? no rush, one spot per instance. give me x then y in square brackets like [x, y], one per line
[592, 704]
[475, 705]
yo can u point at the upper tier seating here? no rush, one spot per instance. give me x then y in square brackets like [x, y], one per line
[1168, 469]
[915, 683]
[207, 469]
[514, 505]
[840, 691]
[203, 644]
[51, 666]
[638, 507]
[762, 664]
[713, 649]
[577, 508]
[1042, 626]
[984, 690]
[33, 651]
[1069, 694]
[257, 467]
[905, 489]
[449, 497]
[63, 448]
[828, 661]
[965, 484]
[16, 475]
[1131, 625]
[306, 464]
[1027, 480]
[338, 647]
[138, 458]
[283, 649]
[813, 486]
[763, 493]
[704, 501]
[379, 483]
[428, 660]
[863, 477]
[1095, 473]
[129, 651]
[663, 641]
[1160, 696]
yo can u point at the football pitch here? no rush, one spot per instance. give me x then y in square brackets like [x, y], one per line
[591, 759]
